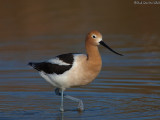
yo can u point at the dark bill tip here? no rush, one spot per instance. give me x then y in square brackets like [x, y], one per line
[102, 43]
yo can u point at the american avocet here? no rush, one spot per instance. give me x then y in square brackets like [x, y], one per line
[69, 70]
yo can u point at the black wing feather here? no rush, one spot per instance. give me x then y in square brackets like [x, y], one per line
[67, 58]
[50, 68]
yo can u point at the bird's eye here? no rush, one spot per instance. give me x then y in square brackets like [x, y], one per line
[94, 36]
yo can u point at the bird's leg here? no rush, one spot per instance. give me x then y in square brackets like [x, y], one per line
[60, 94]
[61, 108]
[80, 102]
[57, 91]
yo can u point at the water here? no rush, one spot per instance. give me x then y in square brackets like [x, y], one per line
[128, 87]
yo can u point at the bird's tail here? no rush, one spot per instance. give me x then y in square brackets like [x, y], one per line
[30, 63]
[37, 66]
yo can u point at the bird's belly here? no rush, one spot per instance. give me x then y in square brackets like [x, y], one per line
[73, 77]
[57, 80]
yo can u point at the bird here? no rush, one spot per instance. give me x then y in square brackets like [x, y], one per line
[73, 69]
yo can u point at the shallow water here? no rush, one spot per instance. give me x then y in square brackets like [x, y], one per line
[128, 87]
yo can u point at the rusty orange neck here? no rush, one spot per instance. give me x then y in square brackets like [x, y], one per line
[93, 53]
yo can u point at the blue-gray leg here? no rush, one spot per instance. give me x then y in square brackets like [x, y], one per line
[61, 108]
[80, 105]
[57, 91]
[80, 102]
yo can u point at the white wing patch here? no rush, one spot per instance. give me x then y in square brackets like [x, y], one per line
[57, 61]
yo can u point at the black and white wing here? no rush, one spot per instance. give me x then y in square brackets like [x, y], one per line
[57, 65]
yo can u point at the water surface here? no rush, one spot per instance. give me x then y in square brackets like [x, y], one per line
[128, 87]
